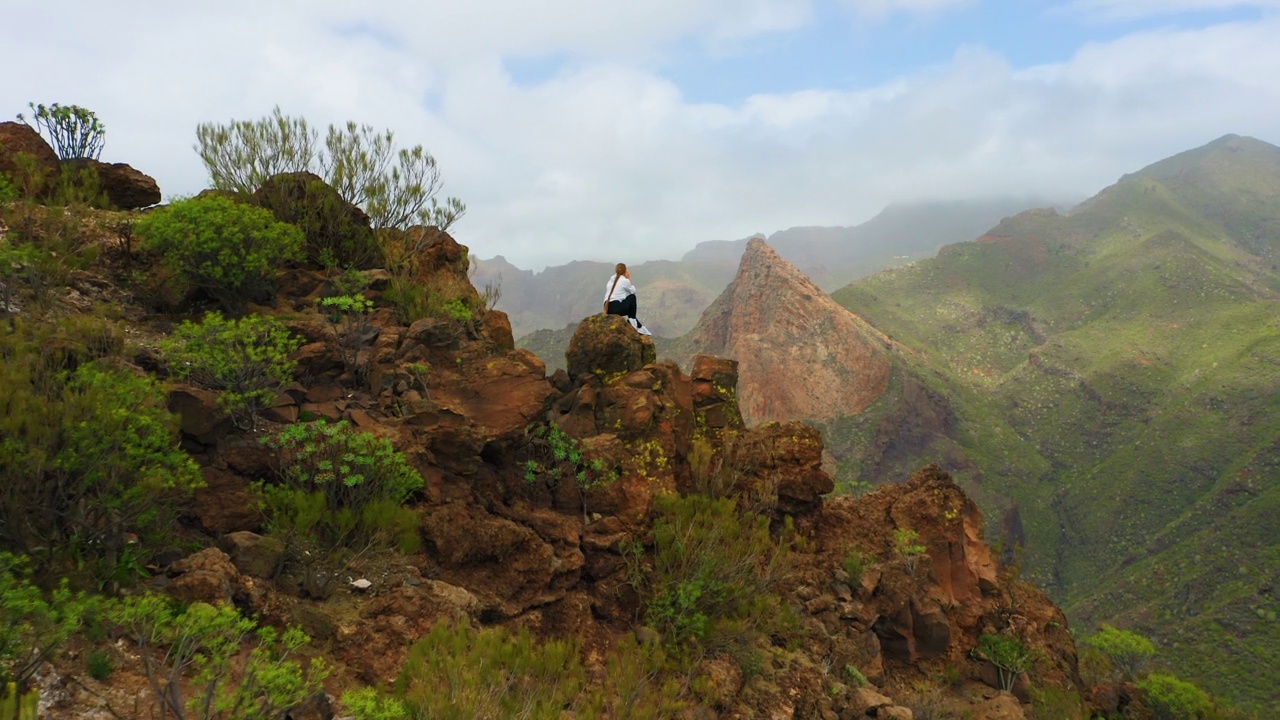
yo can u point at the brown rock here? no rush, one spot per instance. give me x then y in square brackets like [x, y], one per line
[200, 416]
[253, 554]
[205, 576]
[17, 138]
[497, 327]
[801, 355]
[125, 187]
[335, 229]
[607, 346]
[1001, 707]
[223, 505]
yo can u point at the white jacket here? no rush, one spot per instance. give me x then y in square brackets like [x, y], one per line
[620, 291]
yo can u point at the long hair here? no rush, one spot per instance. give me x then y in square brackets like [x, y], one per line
[620, 269]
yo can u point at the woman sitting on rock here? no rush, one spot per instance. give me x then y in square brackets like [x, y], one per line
[620, 297]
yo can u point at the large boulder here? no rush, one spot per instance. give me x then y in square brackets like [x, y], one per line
[336, 231]
[609, 347]
[17, 138]
[125, 187]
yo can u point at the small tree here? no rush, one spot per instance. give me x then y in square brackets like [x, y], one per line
[1173, 699]
[241, 156]
[247, 360]
[73, 131]
[230, 249]
[32, 626]
[907, 546]
[1008, 654]
[202, 643]
[1128, 651]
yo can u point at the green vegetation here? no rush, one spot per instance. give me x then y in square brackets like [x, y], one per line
[73, 131]
[457, 671]
[33, 626]
[1008, 654]
[551, 456]
[230, 249]
[1174, 699]
[337, 235]
[346, 314]
[340, 486]
[1107, 380]
[201, 645]
[88, 452]
[396, 188]
[245, 360]
[855, 562]
[1127, 651]
[710, 587]
[908, 549]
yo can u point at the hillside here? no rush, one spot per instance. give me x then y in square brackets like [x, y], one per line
[1115, 377]
[272, 489]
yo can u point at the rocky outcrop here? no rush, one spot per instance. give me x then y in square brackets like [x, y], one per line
[607, 346]
[18, 138]
[801, 355]
[125, 187]
[337, 232]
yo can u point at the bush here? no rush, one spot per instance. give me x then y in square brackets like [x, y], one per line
[73, 131]
[396, 188]
[1128, 651]
[551, 456]
[1008, 654]
[202, 644]
[855, 562]
[340, 486]
[368, 704]
[1173, 699]
[88, 452]
[457, 673]
[32, 626]
[230, 249]
[246, 360]
[906, 545]
[711, 584]
[346, 318]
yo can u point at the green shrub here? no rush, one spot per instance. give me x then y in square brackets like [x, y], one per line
[341, 486]
[88, 452]
[855, 562]
[1173, 699]
[246, 360]
[457, 673]
[33, 625]
[369, 704]
[396, 188]
[1128, 651]
[73, 131]
[1054, 703]
[1008, 654]
[8, 190]
[712, 576]
[345, 314]
[201, 645]
[99, 664]
[416, 300]
[230, 249]
[551, 456]
[906, 545]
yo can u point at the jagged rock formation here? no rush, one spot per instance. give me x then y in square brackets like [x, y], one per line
[18, 138]
[802, 356]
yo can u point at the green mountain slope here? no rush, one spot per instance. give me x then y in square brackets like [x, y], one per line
[1111, 379]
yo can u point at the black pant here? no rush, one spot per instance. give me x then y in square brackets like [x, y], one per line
[625, 306]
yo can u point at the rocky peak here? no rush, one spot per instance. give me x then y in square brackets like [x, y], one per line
[801, 355]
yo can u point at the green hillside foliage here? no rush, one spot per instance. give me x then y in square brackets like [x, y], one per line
[1110, 390]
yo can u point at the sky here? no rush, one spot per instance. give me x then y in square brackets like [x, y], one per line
[629, 131]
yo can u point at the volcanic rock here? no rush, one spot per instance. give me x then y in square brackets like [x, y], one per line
[17, 138]
[125, 187]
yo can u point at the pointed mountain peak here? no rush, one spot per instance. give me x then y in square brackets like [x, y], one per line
[1229, 154]
[800, 355]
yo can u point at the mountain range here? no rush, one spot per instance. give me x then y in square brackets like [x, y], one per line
[1104, 381]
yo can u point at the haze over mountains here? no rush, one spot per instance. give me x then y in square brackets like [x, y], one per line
[674, 293]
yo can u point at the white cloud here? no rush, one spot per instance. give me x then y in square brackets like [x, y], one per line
[608, 158]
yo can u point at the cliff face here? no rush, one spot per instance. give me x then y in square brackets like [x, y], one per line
[801, 355]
